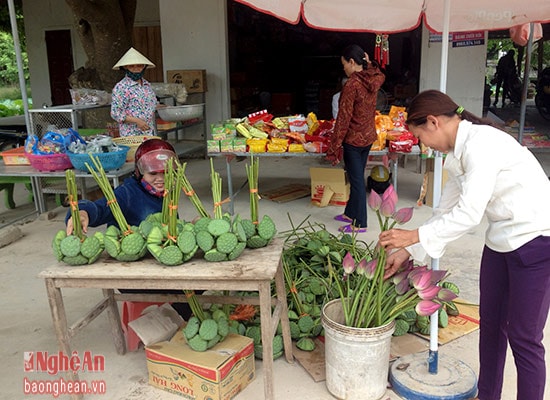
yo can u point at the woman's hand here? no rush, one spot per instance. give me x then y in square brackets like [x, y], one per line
[84, 221]
[394, 261]
[334, 157]
[141, 124]
[398, 238]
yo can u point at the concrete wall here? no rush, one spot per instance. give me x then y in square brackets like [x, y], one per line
[465, 71]
[194, 36]
[43, 15]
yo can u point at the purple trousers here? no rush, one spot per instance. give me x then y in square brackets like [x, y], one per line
[514, 302]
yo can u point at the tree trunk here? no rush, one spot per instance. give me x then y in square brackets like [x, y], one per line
[105, 30]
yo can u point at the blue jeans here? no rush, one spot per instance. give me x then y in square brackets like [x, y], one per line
[355, 160]
[514, 302]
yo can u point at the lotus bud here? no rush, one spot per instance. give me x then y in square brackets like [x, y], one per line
[403, 215]
[361, 267]
[374, 200]
[426, 307]
[348, 263]
[370, 269]
[387, 208]
[446, 295]
[417, 270]
[390, 194]
[402, 287]
[397, 278]
[422, 280]
[438, 275]
[429, 293]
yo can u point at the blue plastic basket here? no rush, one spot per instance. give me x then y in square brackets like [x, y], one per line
[109, 161]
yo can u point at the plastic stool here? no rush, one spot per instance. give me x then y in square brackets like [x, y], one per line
[132, 310]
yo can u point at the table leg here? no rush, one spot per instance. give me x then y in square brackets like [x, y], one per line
[114, 318]
[268, 331]
[394, 167]
[285, 324]
[38, 195]
[59, 317]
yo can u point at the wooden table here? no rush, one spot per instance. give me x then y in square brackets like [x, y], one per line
[36, 178]
[229, 156]
[254, 270]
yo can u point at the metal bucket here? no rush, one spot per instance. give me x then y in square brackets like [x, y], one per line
[356, 359]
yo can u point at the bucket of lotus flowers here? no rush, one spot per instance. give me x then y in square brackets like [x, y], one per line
[360, 321]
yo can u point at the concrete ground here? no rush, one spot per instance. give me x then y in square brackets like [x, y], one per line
[26, 320]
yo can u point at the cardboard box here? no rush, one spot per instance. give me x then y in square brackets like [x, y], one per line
[329, 186]
[216, 374]
[429, 199]
[193, 79]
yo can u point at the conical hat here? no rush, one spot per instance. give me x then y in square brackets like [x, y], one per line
[131, 57]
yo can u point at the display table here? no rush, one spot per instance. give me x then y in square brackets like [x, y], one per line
[37, 176]
[254, 270]
[229, 156]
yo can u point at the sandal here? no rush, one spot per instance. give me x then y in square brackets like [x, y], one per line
[343, 218]
[351, 229]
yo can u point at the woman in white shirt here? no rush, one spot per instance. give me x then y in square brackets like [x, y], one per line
[490, 175]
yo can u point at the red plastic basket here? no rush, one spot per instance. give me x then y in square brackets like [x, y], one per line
[50, 162]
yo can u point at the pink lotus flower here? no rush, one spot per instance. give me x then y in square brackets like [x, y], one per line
[348, 263]
[402, 287]
[429, 293]
[422, 280]
[418, 270]
[361, 267]
[374, 200]
[403, 215]
[446, 295]
[389, 201]
[426, 307]
[402, 276]
[438, 275]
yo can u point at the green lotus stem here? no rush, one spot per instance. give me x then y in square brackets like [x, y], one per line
[103, 182]
[194, 304]
[380, 277]
[216, 184]
[252, 173]
[72, 191]
[193, 197]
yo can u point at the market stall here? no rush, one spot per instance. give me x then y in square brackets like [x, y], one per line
[295, 136]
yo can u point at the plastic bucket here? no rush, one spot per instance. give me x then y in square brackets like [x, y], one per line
[356, 359]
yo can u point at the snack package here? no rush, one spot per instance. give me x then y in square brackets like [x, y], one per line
[298, 124]
[296, 148]
[397, 113]
[404, 146]
[213, 146]
[380, 142]
[315, 147]
[239, 145]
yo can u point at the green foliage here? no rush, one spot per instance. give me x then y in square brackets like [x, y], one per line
[8, 71]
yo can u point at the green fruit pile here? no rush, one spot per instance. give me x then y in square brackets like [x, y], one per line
[173, 251]
[220, 239]
[74, 251]
[260, 234]
[124, 246]
[202, 335]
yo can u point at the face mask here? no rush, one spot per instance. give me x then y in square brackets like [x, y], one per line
[136, 76]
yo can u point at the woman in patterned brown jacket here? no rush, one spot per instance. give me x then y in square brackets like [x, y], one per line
[355, 132]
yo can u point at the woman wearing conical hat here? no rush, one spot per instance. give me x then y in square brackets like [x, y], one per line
[133, 99]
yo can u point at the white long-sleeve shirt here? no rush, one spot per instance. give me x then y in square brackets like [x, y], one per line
[492, 175]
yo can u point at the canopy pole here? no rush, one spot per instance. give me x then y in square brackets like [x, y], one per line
[438, 173]
[19, 58]
[526, 70]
